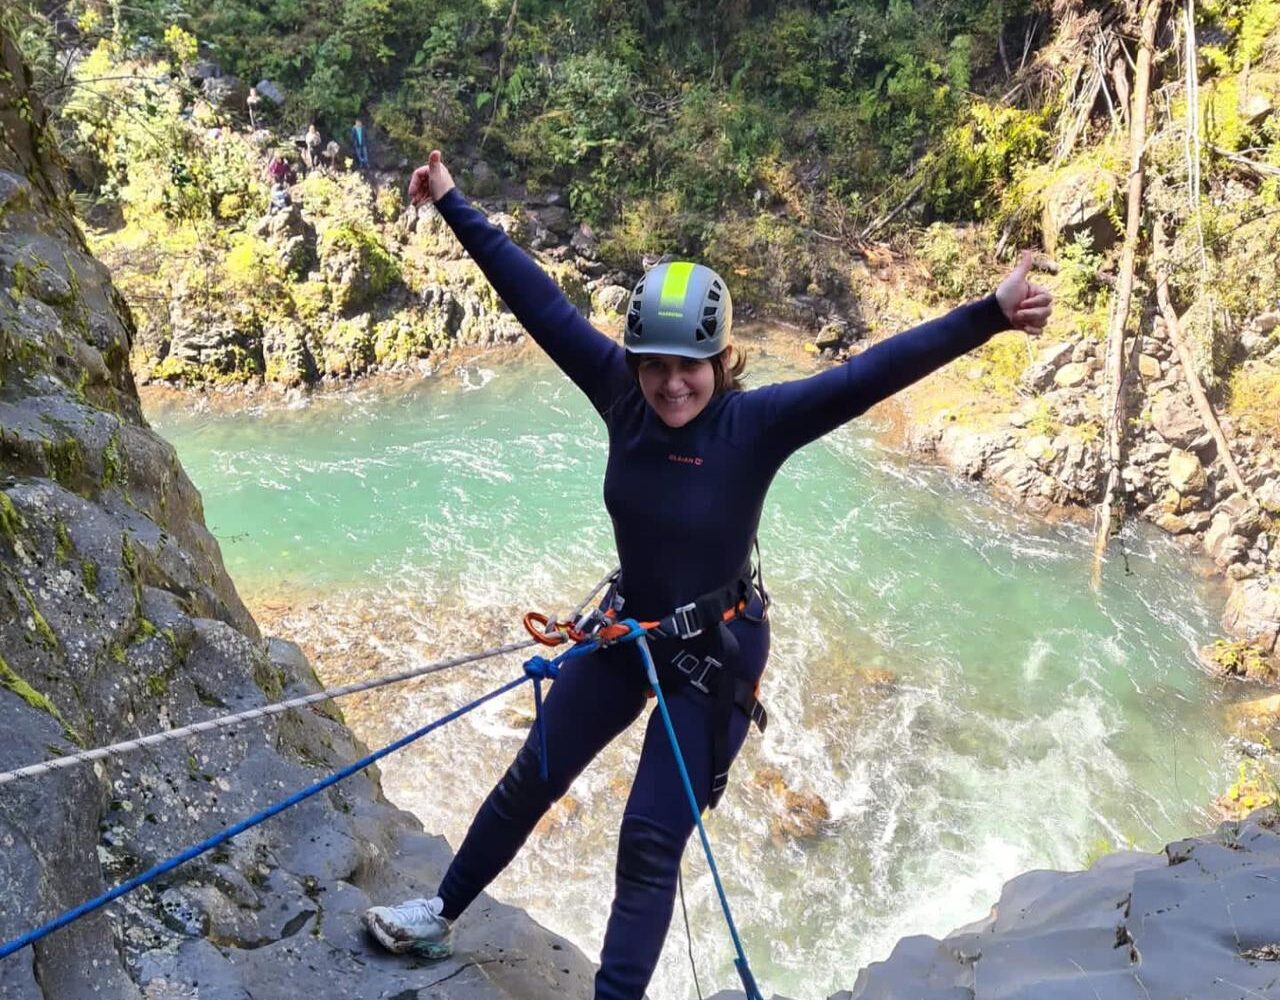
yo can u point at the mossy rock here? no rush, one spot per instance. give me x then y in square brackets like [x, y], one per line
[10, 681]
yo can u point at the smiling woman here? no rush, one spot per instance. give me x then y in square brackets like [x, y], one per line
[687, 475]
[677, 388]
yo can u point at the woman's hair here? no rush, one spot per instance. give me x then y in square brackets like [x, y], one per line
[729, 366]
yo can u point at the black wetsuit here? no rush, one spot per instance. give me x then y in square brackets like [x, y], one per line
[685, 504]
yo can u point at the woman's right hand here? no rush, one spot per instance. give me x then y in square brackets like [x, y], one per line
[430, 182]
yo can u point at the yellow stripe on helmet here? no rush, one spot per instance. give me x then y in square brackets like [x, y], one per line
[675, 283]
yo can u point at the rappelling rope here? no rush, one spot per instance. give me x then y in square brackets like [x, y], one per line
[651, 672]
[226, 721]
[84, 909]
[630, 630]
[265, 711]
[536, 669]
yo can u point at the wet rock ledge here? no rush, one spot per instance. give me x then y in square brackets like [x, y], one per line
[1201, 920]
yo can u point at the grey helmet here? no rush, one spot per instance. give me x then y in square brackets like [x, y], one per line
[679, 308]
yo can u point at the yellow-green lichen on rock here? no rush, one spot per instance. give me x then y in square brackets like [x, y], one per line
[10, 681]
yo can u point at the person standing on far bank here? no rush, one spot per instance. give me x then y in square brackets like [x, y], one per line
[311, 144]
[252, 102]
[691, 456]
[359, 143]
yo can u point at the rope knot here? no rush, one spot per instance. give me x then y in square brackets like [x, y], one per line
[541, 669]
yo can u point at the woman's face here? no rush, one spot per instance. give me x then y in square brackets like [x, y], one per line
[677, 388]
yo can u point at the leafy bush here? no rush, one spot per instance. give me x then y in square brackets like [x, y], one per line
[956, 261]
[1255, 398]
[1078, 269]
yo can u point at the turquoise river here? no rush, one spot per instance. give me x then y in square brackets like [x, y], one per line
[942, 675]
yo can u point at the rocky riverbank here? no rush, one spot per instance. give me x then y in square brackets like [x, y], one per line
[1196, 921]
[1041, 447]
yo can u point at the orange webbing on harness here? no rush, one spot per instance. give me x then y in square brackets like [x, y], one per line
[553, 633]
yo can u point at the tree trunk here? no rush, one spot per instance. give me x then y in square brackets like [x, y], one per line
[1114, 426]
[1207, 416]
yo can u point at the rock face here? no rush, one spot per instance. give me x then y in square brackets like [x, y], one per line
[1048, 452]
[1076, 203]
[1196, 921]
[117, 619]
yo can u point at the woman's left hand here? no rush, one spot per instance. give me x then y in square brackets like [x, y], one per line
[1026, 306]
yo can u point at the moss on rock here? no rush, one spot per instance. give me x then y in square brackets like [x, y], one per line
[65, 460]
[10, 681]
[10, 519]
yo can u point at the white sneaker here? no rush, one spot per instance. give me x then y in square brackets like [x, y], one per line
[416, 925]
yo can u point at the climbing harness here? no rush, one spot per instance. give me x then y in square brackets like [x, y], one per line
[706, 612]
[705, 672]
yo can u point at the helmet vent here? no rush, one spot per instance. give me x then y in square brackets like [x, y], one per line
[708, 311]
[714, 294]
[709, 325]
[637, 329]
[639, 290]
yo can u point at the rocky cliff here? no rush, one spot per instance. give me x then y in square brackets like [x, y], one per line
[117, 619]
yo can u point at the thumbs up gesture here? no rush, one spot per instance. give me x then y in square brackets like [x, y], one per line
[1026, 306]
[431, 181]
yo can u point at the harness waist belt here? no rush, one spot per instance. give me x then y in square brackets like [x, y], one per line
[710, 610]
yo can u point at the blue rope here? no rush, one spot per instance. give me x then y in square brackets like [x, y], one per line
[165, 866]
[540, 668]
[637, 635]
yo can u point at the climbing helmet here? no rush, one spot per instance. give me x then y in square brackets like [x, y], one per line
[679, 308]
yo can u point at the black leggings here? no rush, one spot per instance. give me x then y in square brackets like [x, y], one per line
[595, 698]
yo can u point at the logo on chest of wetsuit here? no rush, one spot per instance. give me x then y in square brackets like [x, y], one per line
[697, 668]
[684, 459]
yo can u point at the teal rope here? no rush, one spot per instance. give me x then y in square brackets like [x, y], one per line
[744, 969]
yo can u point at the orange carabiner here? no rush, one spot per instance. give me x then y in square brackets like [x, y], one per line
[536, 625]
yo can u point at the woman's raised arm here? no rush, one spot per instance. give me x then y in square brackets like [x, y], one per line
[593, 361]
[795, 413]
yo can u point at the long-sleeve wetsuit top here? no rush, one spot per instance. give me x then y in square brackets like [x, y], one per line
[686, 501]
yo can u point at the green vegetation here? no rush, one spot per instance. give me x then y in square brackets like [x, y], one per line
[10, 681]
[63, 548]
[10, 519]
[64, 459]
[772, 140]
[1254, 788]
[113, 472]
[89, 573]
[1239, 658]
[1255, 396]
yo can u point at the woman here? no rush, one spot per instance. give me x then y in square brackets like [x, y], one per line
[691, 457]
[311, 143]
